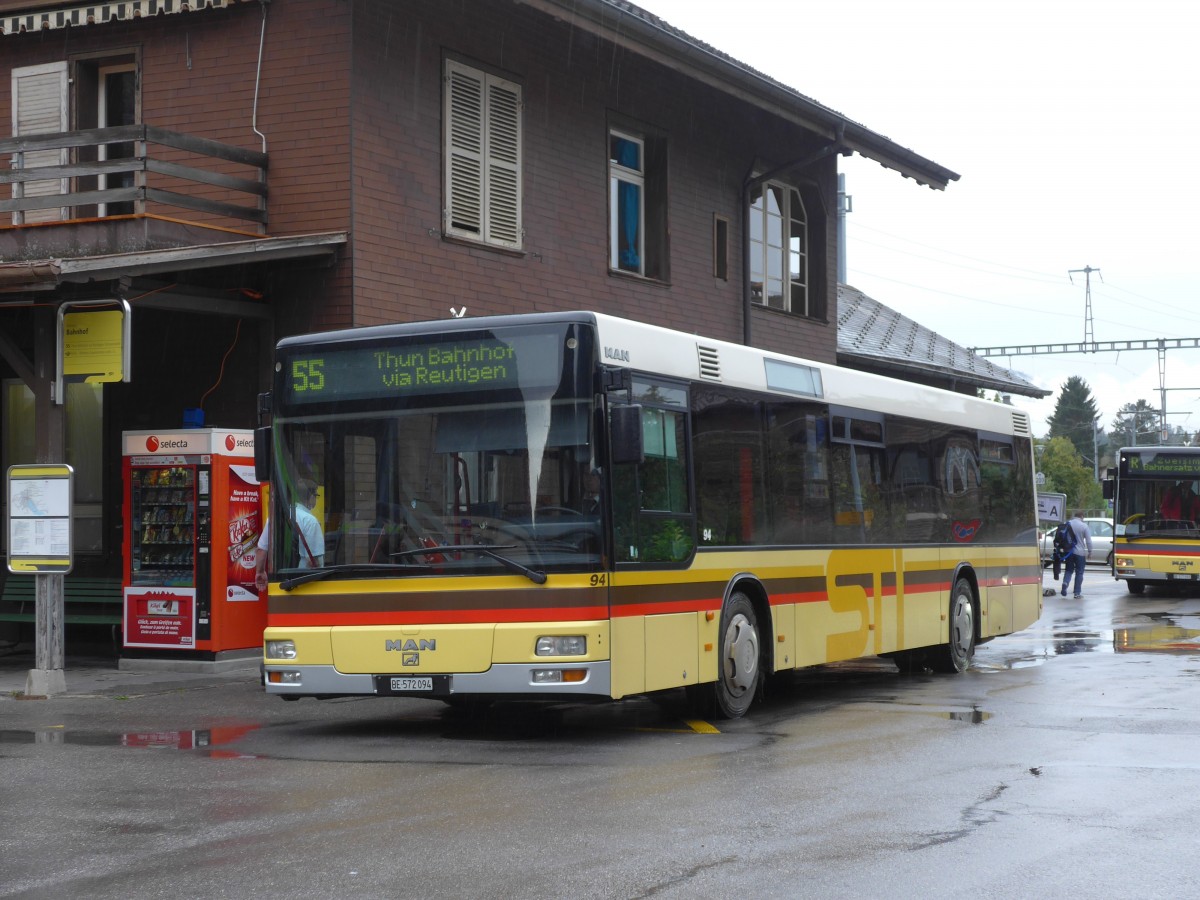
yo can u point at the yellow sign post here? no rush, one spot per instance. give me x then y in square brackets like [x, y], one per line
[94, 345]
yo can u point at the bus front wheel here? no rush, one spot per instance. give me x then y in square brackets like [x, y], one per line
[1135, 587]
[955, 655]
[739, 666]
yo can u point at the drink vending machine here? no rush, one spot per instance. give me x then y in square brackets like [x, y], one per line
[192, 516]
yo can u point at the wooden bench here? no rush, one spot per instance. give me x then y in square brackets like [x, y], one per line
[86, 601]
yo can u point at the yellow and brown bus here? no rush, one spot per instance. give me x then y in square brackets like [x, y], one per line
[575, 506]
[1157, 517]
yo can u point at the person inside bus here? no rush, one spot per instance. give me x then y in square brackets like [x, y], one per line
[1172, 502]
[591, 494]
[312, 538]
[1189, 504]
[1076, 560]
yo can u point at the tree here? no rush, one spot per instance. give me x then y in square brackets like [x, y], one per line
[1136, 423]
[1066, 473]
[1075, 417]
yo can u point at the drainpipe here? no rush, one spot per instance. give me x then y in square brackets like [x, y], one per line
[748, 186]
[262, 35]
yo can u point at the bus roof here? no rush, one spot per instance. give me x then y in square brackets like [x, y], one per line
[669, 353]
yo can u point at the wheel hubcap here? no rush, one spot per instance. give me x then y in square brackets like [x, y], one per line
[741, 654]
[963, 626]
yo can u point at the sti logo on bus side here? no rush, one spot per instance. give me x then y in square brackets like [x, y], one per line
[616, 353]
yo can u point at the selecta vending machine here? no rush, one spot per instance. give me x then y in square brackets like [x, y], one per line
[192, 517]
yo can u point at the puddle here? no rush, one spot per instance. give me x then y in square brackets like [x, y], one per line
[210, 739]
[1026, 663]
[1156, 638]
[1066, 642]
[974, 716]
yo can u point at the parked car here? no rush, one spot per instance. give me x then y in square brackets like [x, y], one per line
[1102, 542]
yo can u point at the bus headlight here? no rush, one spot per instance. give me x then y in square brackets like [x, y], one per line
[1124, 561]
[558, 676]
[562, 645]
[281, 649]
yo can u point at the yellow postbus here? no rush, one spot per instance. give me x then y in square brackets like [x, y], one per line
[575, 506]
[1157, 517]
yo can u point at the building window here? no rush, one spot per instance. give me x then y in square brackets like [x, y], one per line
[84, 411]
[721, 247]
[637, 207]
[627, 192]
[482, 157]
[779, 250]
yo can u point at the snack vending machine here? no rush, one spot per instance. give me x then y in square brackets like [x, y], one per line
[192, 516]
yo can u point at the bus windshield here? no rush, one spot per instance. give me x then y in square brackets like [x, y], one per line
[419, 450]
[1158, 493]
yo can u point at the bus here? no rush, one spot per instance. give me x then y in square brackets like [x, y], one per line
[574, 506]
[1156, 513]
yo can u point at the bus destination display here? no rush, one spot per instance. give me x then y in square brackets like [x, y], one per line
[1162, 465]
[401, 371]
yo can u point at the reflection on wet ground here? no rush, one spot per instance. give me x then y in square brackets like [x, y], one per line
[210, 739]
[1165, 638]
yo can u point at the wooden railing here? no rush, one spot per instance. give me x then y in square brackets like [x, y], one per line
[98, 171]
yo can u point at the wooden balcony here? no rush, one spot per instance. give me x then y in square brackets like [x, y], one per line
[133, 170]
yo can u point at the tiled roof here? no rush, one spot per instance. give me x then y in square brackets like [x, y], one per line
[875, 337]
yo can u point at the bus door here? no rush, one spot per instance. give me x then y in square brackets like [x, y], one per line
[655, 627]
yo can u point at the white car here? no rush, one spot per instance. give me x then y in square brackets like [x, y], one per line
[1102, 542]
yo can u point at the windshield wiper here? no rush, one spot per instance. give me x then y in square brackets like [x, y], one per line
[349, 568]
[484, 550]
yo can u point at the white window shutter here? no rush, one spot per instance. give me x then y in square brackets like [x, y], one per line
[464, 151]
[503, 163]
[39, 106]
[482, 157]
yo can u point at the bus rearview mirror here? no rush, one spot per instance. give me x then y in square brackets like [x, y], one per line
[262, 454]
[626, 427]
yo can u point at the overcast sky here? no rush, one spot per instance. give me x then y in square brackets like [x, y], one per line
[1073, 126]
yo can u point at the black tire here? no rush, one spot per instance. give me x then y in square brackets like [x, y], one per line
[1135, 587]
[739, 667]
[955, 656]
[1108, 559]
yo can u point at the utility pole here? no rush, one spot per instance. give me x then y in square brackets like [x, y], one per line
[1089, 336]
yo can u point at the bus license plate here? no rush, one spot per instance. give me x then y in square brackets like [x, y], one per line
[411, 683]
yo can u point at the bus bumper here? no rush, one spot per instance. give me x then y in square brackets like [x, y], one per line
[512, 679]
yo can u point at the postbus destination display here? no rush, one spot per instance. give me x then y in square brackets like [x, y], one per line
[1161, 465]
[406, 370]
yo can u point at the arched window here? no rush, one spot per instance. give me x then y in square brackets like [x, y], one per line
[780, 251]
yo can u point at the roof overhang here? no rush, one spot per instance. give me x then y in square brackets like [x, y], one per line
[48, 274]
[45, 15]
[641, 32]
[910, 370]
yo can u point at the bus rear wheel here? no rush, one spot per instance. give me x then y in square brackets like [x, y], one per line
[739, 667]
[955, 655]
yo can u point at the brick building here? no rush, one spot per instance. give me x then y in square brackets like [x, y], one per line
[234, 171]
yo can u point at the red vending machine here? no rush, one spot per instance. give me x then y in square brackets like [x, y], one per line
[192, 517]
